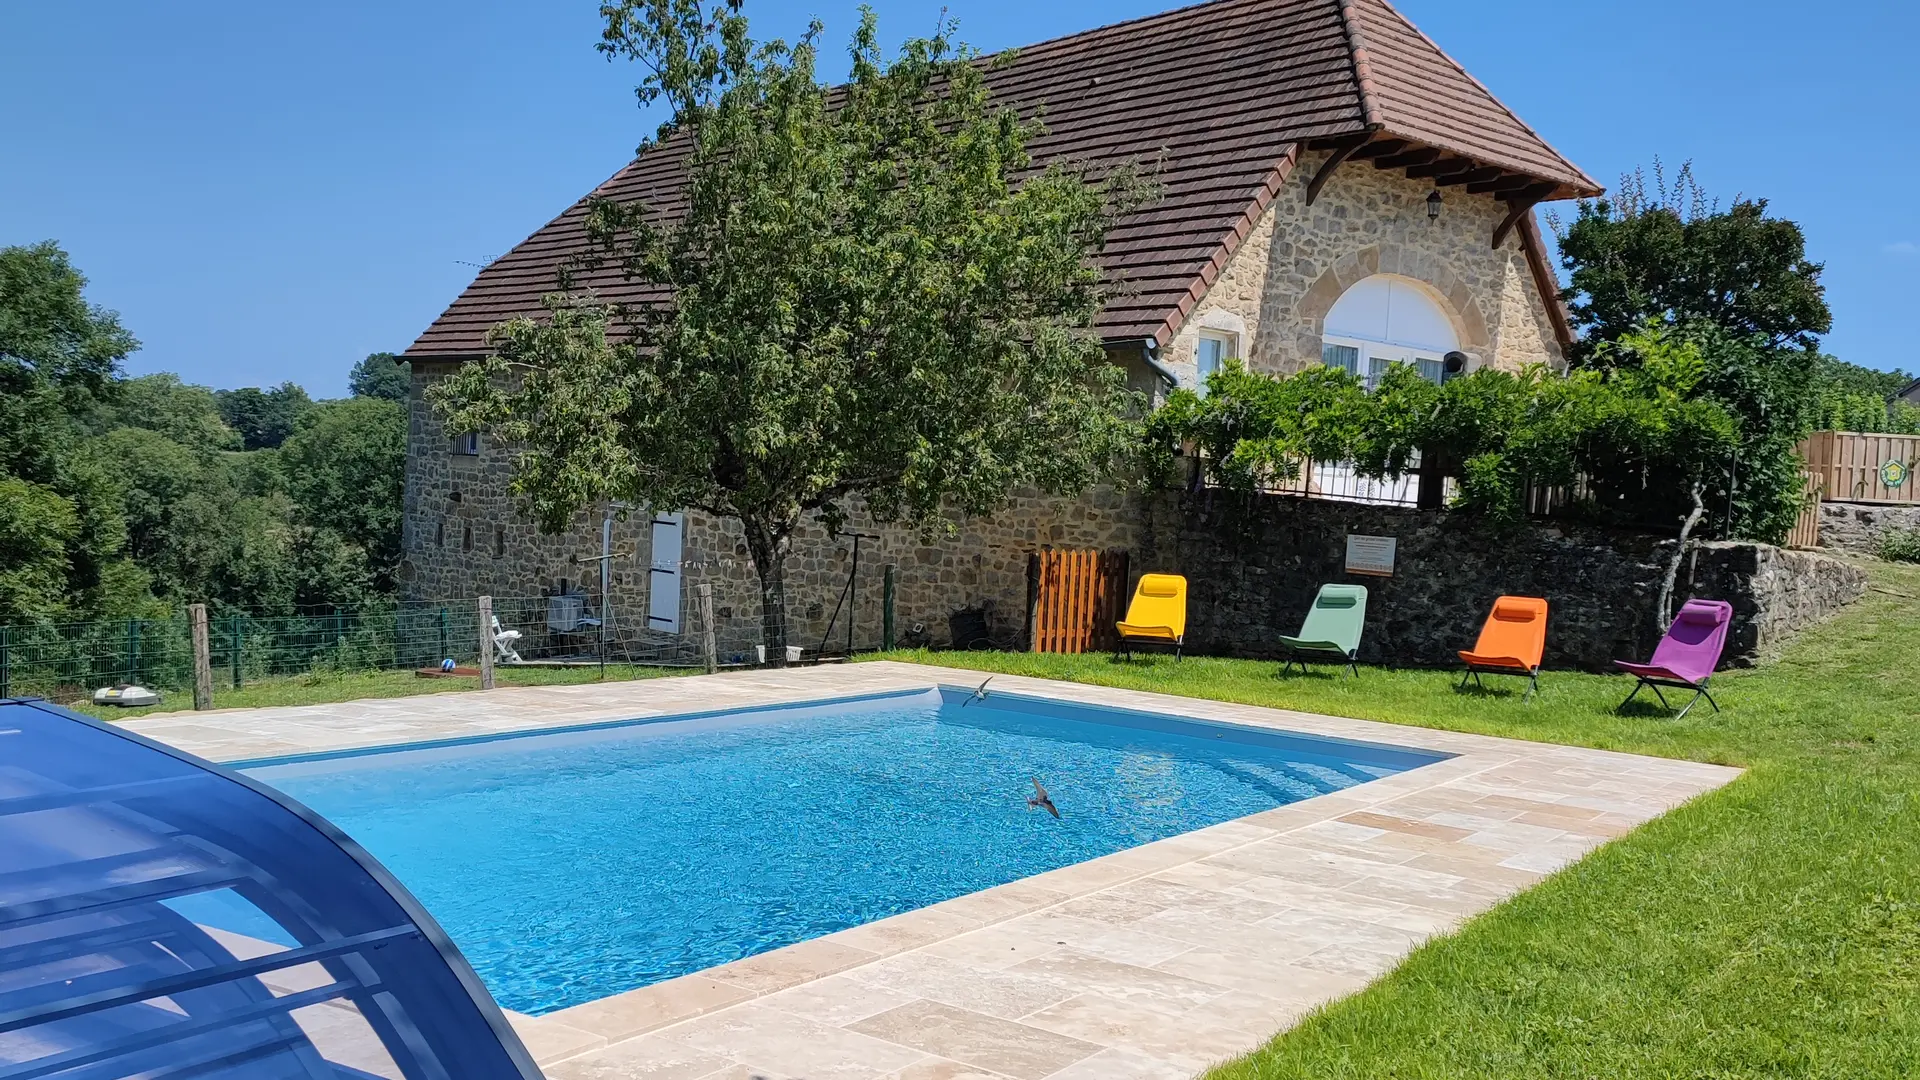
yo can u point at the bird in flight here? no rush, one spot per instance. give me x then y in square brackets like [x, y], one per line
[1042, 800]
[979, 693]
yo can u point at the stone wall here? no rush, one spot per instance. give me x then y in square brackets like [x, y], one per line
[1278, 286]
[1254, 566]
[462, 536]
[1775, 592]
[1856, 528]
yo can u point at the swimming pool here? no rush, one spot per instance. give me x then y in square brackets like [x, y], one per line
[572, 865]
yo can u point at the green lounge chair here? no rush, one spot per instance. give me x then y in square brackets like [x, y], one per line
[1331, 633]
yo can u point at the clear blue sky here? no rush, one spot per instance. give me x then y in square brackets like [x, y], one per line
[269, 191]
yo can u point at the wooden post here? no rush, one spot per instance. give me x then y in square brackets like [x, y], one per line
[709, 650]
[486, 643]
[1033, 602]
[202, 658]
[889, 585]
[237, 632]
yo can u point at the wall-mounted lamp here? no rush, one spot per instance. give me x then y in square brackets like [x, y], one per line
[1433, 205]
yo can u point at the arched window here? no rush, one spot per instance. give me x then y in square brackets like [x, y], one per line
[1383, 320]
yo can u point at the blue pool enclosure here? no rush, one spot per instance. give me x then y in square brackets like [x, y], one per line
[109, 846]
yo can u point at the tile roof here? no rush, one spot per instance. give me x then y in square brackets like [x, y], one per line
[1223, 95]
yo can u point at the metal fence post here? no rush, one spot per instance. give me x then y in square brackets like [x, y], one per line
[202, 657]
[486, 642]
[133, 651]
[708, 650]
[886, 607]
[441, 655]
[6, 663]
[237, 638]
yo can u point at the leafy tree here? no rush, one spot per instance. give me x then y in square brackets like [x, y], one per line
[59, 356]
[264, 418]
[1635, 433]
[36, 526]
[49, 334]
[381, 375]
[1738, 284]
[344, 470]
[1855, 398]
[856, 302]
[185, 414]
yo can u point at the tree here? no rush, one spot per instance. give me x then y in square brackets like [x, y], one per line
[1638, 436]
[264, 418]
[344, 470]
[36, 525]
[59, 358]
[381, 375]
[1737, 284]
[185, 414]
[856, 302]
[1855, 398]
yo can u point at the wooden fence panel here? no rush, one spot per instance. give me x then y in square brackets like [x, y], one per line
[1854, 467]
[1806, 529]
[1079, 596]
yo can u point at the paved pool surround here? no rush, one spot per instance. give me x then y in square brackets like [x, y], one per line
[1150, 963]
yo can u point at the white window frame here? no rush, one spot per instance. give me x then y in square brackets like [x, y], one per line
[1229, 350]
[1388, 352]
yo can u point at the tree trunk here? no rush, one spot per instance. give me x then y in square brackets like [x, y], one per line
[1665, 608]
[1433, 470]
[769, 544]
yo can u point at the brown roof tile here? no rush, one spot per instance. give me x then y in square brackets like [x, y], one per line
[1288, 71]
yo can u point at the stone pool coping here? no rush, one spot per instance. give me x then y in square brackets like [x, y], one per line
[1148, 963]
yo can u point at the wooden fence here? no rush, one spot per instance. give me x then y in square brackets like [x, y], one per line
[1806, 529]
[1076, 597]
[1852, 467]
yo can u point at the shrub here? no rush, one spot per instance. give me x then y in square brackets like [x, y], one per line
[1900, 545]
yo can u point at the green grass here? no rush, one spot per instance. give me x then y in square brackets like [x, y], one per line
[1770, 929]
[320, 688]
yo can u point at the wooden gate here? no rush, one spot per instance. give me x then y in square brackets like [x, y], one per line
[1806, 529]
[1075, 598]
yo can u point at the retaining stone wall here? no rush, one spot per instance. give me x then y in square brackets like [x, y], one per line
[1856, 528]
[1254, 565]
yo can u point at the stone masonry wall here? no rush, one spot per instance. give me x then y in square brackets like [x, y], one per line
[1280, 283]
[1253, 566]
[463, 537]
[1857, 528]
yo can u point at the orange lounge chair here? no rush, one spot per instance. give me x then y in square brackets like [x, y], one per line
[1157, 615]
[1511, 642]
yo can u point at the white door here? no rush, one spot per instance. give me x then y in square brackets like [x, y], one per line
[663, 579]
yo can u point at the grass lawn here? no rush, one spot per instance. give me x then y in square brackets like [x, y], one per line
[321, 688]
[1770, 929]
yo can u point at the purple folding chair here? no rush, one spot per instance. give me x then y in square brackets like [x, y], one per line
[1686, 657]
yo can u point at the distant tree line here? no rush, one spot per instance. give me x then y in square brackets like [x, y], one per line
[130, 497]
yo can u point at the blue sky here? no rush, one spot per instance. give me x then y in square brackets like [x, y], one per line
[271, 191]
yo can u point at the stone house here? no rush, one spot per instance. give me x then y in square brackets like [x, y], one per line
[1344, 193]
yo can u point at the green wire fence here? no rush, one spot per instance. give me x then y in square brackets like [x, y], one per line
[52, 659]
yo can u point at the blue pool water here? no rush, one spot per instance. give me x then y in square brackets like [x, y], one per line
[575, 865]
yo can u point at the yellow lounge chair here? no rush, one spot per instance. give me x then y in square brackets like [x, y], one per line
[1157, 615]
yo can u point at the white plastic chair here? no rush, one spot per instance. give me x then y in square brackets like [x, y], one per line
[503, 650]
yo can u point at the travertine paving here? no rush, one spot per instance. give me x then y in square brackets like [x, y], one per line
[1150, 963]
